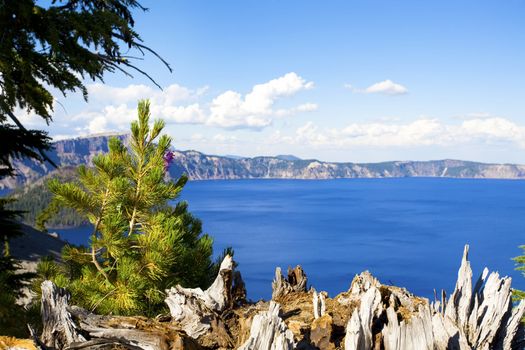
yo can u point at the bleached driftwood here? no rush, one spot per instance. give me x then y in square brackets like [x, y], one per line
[295, 282]
[363, 282]
[71, 327]
[238, 293]
[359, 328]
[319, 303]
[108, 330]
[415, 333]
[269, 332]
[484, 315]
[481, 318]
[59, 329]
[194, 309]
[376, 316]
[199, 312]
[217, 297]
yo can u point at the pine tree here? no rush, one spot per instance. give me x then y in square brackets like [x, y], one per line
[56, 44]
[140, 244]
[44, 45]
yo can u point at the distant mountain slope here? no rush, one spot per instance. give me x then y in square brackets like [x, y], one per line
[199, 166]
[287, 157]
[70, 152]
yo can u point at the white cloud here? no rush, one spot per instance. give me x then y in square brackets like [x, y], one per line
[218, 142]
[173, 93]
[255, 110]
[305, 107]
[32, 120]
[494, 129]
[197, 137]
[223, 139]
[385, 87]
[113, 108]
[475, 115]
[191, 114]
[421, 132]
[97, 125]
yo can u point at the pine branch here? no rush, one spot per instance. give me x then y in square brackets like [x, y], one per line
[95, 230]
[144, 47]
[40, 151]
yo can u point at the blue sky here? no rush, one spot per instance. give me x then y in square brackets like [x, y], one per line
[333, 80]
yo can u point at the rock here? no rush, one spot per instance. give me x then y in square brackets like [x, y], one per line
[54, 234]
[321, 333]
[298, 328]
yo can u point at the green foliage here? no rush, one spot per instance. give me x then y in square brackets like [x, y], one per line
[10, 227]
[45, 47]
[140, 244]
[13, 318]
[33, 203]
[56, 45]
[520, 262]
[19, 143]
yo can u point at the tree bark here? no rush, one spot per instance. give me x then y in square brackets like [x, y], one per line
[294, 283]
[59, 329]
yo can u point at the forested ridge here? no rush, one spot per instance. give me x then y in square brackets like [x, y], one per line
[31, 200]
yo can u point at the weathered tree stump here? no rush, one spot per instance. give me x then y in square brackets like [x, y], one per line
[269, 332]
[368, 316]
[318, 303]
[359, 328]
[480, 318]
[294, 283]
[198, 312]
[71, 327]
[59, 329]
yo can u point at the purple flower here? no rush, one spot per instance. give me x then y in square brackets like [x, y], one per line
[168, 159]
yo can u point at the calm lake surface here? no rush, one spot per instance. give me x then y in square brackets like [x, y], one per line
[409, 231]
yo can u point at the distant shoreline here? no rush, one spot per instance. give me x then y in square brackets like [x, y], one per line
[366, 178]
[198, 166]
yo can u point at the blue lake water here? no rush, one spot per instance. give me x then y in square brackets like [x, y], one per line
[407, 231]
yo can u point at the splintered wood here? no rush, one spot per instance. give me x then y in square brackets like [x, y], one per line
[368, 316]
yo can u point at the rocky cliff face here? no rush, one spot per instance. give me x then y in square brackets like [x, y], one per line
[199, 166]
